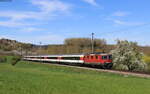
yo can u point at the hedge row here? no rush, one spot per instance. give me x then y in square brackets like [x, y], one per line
[13, 60]
[3, 59]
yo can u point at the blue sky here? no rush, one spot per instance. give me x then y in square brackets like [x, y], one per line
[52, 21]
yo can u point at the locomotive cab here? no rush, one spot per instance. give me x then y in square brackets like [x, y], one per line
[107, 61]
[103, 60]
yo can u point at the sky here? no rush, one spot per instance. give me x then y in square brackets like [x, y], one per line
[52, 21]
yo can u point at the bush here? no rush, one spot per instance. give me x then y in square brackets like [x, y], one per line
[3, 59]
[15, 60]
[127, 57]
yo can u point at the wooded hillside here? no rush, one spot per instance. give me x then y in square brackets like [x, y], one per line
[70, 46]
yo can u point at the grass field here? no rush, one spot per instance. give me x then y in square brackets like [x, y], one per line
[35, 78]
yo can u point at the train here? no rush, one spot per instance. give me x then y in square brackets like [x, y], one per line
[103, 60]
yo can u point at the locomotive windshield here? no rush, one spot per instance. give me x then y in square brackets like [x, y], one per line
[110, 56]
[104, 57]
[107, 57]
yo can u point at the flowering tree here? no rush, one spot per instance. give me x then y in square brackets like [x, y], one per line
[127, 57]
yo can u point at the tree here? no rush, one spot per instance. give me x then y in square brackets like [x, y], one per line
[127, 57]
[83, 45]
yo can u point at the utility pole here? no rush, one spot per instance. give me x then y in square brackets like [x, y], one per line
[21, 49]
[92, 42]
[40, 47]
[40, 50]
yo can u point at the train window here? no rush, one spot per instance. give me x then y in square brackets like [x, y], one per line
[51, 57]
[91, 57]
[87, 56]
[40, 57]
[96, 57]
[71, 58]
[75, 58]
[104, 57]
[110, 56]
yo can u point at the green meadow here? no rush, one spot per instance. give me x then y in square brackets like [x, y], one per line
[36, 78]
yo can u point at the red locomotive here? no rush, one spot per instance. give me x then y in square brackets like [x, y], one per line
[101, 59]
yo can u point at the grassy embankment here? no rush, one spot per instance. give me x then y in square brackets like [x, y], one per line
[35, 78]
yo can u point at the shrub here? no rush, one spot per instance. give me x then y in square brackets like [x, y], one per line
[127, 57]
[15, 60]
[3, 59]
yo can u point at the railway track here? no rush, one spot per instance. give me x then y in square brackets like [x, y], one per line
[125, 73]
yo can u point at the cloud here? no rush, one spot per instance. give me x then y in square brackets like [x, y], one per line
[48, 38]
[120, 22]
[11, 23]
[49, 6]
[92, 2]
[1, 37]
[30, 29]
[47, 9]
[118, 18]
[16, 15]
[120, 13]
[52, 38]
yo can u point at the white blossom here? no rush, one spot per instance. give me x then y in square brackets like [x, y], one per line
[127, 57]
